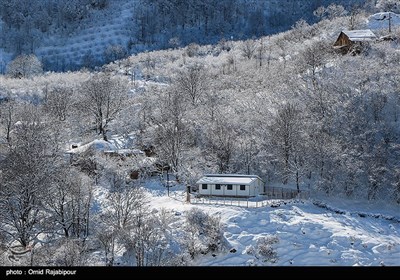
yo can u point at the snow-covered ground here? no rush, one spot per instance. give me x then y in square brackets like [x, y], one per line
[381, 20]
[328, 232]
[308, 233]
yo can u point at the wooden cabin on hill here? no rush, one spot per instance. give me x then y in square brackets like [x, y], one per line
[352, 41]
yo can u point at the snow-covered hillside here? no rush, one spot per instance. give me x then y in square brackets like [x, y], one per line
[308, 234]
[68, 42]
[287, 108]
[303, 232]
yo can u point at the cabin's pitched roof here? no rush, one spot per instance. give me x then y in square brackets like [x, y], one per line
[360, 35]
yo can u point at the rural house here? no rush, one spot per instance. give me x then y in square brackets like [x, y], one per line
[133, 160]
[230, 185]
[352, 40]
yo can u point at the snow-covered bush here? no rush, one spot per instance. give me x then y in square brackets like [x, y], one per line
[203, 233]
[63, 252]
[265, 249]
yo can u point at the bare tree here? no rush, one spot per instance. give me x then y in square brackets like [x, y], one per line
[128, 219]
[171, 132]
[248, 48]
[388, 5]
[260, 53]
[320, 12]
[396, 186]
[356, 17]
[124, 201]
[192, 82]
[58, 101]
[107, 238]
[3, 248]
[312, 60]
[137, 234]
[124, 219]
[103, 97]
[68, 202]
[286, 137]
[222, 143]
[152, 240]
[248, 150]
[25, 177]
[8, 111]
[330, 12]
[282, 43]
[335, 11]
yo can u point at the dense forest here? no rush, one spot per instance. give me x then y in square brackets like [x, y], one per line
[287, 107]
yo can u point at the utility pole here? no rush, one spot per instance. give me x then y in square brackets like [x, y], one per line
[188, 194]
[168, 180]
[261, 52]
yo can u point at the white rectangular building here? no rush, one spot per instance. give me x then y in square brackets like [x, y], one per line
[233, 185]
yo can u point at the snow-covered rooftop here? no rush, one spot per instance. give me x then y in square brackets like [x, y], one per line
[96, 145]
[360, 35]
[234, 179]
[125, 152]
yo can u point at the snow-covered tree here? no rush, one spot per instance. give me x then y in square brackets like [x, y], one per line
[330, 12]
[68, 202]
[170, 134]
[58, 101]
[146, 236]
[192, 82]
[24, 66]
[249, 48]
[26, 176]
[103, 98]
[222, 140]
[107, 238]
[124, 201]
[286, 133]
[8, 112]
[388, 5]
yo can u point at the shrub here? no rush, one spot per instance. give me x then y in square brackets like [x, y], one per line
[265, 249]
